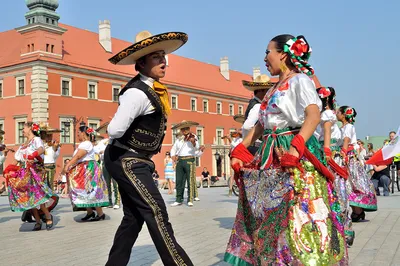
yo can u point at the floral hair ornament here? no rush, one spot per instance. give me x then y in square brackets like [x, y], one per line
[299, 51]
[90, 131]
[324, 92]
[36, 128]
[349, 114]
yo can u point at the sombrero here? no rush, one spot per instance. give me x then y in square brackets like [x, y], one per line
[102, 129]
[44, 127]
[239, 118]
[261, 82]
[184, 124]
[146, 43]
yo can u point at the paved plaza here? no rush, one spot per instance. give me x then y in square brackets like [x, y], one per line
[202, 230]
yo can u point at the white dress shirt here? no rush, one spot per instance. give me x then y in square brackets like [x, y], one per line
[235, 142]
[101, 147]
[252, 118]
[132, 103]
[185, 148]
[50, 155]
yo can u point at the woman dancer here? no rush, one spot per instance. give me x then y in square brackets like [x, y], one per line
[284, 217]
[329, 136]
[362, 197]
[169, 172]
[26, 186]
[86, 184]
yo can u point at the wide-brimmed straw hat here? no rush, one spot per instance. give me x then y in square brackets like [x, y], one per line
[185, 124]
[44, 127]
[146, 43]
[102, 129]
[262, 82]
[239, 118]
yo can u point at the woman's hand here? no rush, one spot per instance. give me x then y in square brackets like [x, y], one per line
[294, 152]
[236, 164]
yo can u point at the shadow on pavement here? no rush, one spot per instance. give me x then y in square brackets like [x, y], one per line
[220, 256]
[146, 253]
[225, 222]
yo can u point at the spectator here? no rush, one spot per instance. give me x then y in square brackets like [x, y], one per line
[155, 177]
[381, 178]
[206, 176]
[361, 151]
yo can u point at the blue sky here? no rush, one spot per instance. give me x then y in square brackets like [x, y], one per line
[354, 42]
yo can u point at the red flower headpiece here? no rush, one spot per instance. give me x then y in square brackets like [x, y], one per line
[89, 131]
[324, 92]
[299, 47]
[349, 111]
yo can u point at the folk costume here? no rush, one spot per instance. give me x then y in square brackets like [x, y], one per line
[51, 153]
[27, 188]
[362, 189]
[136, 133]
[285, 217]
[186, 154]
[261, 82]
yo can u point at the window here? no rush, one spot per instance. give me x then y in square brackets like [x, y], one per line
[220, 133]
[197, 159]
[200, 136]
[33, 20]
[205, 106]
[116, 90]
[92, 90]
[219, 108]
[29, 48]
[20, 85]
[193, 104]
[52, 48]
[231, 112]
[94, 123]
[52, 21]
[19, 130]
[66, 87]
[1, 125]
[67, 127]
[47, 20]
[175, 132]
[174, 101]
[47, 47]
[33, 47]
[240, 109]
[1, 89]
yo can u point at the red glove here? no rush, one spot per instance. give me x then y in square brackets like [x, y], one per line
[33, 155]
[328, 152]
[242, 153]
[299, 144]
[343, 152]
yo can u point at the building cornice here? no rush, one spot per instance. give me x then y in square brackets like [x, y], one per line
[114, 77]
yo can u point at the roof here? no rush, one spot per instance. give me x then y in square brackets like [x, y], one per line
[89, 54]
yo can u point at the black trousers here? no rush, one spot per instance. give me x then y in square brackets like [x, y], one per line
[142, 202]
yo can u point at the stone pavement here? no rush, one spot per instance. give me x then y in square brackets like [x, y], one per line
[202, 230]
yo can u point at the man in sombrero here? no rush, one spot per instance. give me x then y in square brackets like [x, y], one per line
[184, 151]
[259, 86]
[136, 133]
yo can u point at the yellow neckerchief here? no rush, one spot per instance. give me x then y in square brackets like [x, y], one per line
[162, 92]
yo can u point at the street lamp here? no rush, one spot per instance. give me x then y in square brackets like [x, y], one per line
[74, 122]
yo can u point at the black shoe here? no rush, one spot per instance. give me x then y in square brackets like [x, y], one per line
[357, 217]
[88, 216]
[49, 225]
[27, 217]
[350, 239]
[37, 227]
[98, 218]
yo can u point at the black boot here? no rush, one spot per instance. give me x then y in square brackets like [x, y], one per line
[27, 217]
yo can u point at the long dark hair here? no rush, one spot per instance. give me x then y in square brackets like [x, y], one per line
[280, 42]
[327, 101]
[90, 135]
[349, 113]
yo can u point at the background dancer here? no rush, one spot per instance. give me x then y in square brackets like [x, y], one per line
[136, 132]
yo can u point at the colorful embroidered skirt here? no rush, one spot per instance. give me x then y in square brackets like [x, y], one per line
[363, 192]
[286, 218]
[87, 186]
[27, 189]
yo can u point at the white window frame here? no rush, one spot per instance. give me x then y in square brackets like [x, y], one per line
[202, 134]
[216, 110]
[71, 129]
[219, 141]
[176, 98]
[205, 104]
[70, 86]
[2, 123]
[95, 90]
[2, 89]
[112, 92]
[17, 79]
[241, 110]
[174, 132]
[233, 109]
[195, 104]
[94, 121]
[19, 120]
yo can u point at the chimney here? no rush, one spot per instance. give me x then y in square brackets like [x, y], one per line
[105, 35]
[224, 67]
[256, 72]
